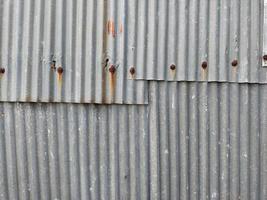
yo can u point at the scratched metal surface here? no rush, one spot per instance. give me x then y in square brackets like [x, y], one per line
[186, 33]
[66, 51]
[192, 141]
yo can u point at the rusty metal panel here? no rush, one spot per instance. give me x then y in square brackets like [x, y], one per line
[199, 40]
[65, 51]
[193, 141]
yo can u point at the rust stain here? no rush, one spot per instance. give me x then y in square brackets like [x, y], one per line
[2, 72]
[112, 81]
[111, 28]
[132, 72]
[172, 71]
[60, 74]
[53, 65]
[204, 70]
[204, 65]
[234, 63]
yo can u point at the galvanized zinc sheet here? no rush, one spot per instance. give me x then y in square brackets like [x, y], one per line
[208, 141]
[65, 51]
[264, 58]
[73, 151]
[193, 141]
[199, 40]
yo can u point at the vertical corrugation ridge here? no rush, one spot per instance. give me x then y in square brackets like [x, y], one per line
[244, 142]
[213, 36]
[224, 141]
[263, 143]
[202, 39]
[3, 160]
[154, 157]
[182, 39]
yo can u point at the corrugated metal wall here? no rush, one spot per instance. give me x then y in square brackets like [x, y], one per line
[66, 51]
[199, 130]
[187, 34]
[68, 151]
[193, 141]
[208, 141]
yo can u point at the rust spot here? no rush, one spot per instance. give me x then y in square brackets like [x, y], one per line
[2, 70]
[234, 63]
[112, 69]
[132, 70]
[264, 57]
[172, 67]
[60, 70]
[53, 65]
[111, 28]
[204, 64]
[112, 82]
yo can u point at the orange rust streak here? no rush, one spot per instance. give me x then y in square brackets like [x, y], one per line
[112, 82]
[60, 80]
[111, 28]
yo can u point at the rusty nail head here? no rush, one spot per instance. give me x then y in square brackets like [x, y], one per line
[265, 57]
[2, 70]
[112, 69]
[60, 70]
[172, 67]
[132, 70]
[234, 63]
[204, 64]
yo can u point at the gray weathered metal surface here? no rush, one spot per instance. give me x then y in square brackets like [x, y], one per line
[84, 38]
[193, 141]
[73, 151]
[208, 141]
[264, 59]
[187, 33]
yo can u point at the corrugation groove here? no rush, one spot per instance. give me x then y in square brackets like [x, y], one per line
[185, 34]
[62, 51]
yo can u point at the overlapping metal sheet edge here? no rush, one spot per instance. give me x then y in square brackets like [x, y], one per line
[66, 51]
[193, 141]
[199, 40]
